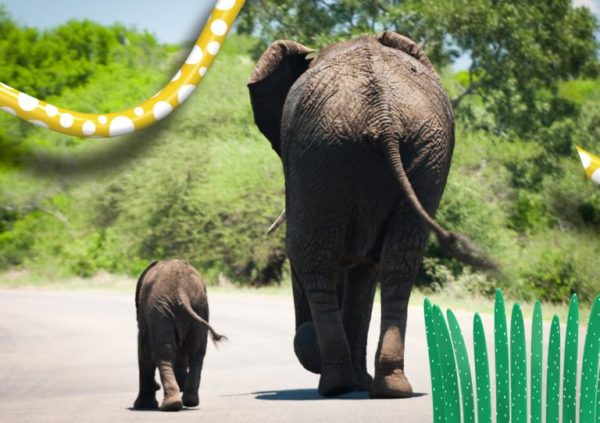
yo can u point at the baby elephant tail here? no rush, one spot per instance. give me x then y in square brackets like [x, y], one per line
[185, 302]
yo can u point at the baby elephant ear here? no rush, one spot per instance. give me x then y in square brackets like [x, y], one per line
[275, 73]
[405, 44]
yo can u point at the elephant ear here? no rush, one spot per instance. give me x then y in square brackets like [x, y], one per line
[408, 46]
[275, 73]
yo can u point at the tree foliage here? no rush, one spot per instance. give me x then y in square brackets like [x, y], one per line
[519, 50]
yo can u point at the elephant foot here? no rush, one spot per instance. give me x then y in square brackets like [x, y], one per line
[306, 347]
[145, 402]
[336, 381]
[392, 385]
[191, 400]
[364, 380]
[172, 403]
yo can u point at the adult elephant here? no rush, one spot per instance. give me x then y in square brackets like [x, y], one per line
[365, 132]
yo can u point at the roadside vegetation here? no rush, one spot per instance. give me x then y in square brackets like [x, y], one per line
[205, 185]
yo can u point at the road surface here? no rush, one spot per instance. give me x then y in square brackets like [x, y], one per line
[71, 357]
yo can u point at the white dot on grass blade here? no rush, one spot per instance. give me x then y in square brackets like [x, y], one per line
[51, 110]
[66, 120]
[596, 176]
[586, 160]
[27, 103]
[225, 4]
[161, 110]
[213, 47]
[121, 125]
[103, 120]
[184, 92]
[89, 128]
[219, 27]
[203, 71]
[139, 111]
[195, 56]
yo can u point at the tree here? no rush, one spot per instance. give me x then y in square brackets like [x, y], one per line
[519, 49]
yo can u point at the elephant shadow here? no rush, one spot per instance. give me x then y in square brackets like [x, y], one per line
[312, 395]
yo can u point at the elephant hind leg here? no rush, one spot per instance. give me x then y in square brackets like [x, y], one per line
[147, 385]
[336, 366]
[359, 285]
[196, 350]
[164, 353]
[401, 258]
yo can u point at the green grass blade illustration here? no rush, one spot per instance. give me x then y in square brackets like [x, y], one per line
[502, 370]
[464, 369]
[518, 368]
[569, 401]
[536, 364]
[553, 374]
[589, 370]
[434, 365]
[482, 373]
[448, 365]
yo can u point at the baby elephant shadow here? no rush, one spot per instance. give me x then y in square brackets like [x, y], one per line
[312, 395]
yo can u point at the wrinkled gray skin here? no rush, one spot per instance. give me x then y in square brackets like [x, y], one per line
[172, 315]
[365, 133]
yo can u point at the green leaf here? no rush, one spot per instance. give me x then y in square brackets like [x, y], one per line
[518, 367]
[569, 400]
[536, 364]
[435, 365]
[553, 373]
[501, 346]
[482, 372]
[589, 372]
[464, 369]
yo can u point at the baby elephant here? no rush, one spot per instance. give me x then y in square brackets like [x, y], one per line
[172, 315]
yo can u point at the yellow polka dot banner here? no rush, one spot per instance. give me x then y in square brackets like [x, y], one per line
[150, 111]
[591, 164]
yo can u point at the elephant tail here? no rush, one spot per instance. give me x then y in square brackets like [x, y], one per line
[187, 306]
[456, 244]
[277, 224]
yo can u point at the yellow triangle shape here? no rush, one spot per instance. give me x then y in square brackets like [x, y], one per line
[591, 164]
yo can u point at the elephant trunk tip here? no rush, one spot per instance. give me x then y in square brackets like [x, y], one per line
[464, 249]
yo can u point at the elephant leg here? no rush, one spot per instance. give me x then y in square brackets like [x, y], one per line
[306, 346]
[195, 352]
[181, 365]
[401, 258]
[147, 392]
[336, 366]
[163, 353]
[357, 304]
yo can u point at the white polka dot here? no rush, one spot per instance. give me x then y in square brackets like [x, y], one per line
[195, 56]
[139, 111]
[39, 123]
[9, 110]
[66, 120]
[203, 71]
[596, 177]
[213, 48]
[121, 125]
[219, 27]
[225, 4]
[89, 128]
[103, 120]
[27, 103]
[177, 76]
[161, 110]
[586, 160]
[51, 110]
[184, 92]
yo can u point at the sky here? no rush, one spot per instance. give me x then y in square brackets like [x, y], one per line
[172, 21]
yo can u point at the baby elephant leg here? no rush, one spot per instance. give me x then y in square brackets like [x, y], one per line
[147, 394]
[196, 351]
[164, 351]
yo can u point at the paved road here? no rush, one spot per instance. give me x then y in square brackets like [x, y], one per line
[71, 357]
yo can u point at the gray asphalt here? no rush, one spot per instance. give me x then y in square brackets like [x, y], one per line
[71, 357]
